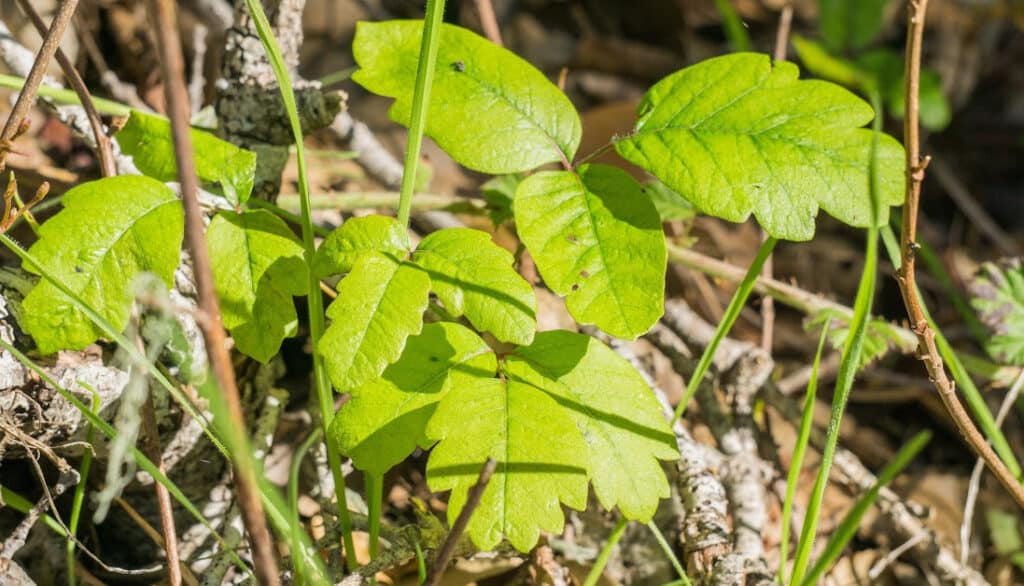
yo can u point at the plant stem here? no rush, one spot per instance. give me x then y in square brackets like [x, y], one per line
[324, 392]
[293, 502]
[79, 496]
[420, 103]
[739, 299]
[606, 552]
[672, 558]
[928, 351]
[374, 504]
[803, 439]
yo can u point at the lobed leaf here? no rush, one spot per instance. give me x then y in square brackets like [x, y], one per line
[258, 266]
[536, 445]
[357, 237]
[997, 294]
[380, 304]
[147, 138]
[386, 418]
[597, 240]
[490, 110]
[474, 277]
[621, 421]
[738, 134]
[109, 231]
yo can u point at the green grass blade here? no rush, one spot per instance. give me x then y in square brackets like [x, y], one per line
[739, 299]
[683, 579]
[83, 480]
[847, 528]
[606, 552]
[325, 396]
[420, 102]
[848, 364]
[65, 96]
[799, 449]
[301, 570]
[735, 32]
[23, 506]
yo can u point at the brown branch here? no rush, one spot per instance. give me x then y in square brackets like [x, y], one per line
[103, 148]
[906, 277]
[473, 496]
[51, 41]
[163, 13]
[489, 21]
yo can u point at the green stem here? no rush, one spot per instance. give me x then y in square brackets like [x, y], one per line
[374, 504]
[420, 102]
[79, 496]
[301, 572]
[64, 96]
[660, 538]
[739, 299]
[324, 392]
[803, 438]
[606, 552]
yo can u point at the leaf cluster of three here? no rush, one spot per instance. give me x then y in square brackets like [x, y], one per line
[735, 136]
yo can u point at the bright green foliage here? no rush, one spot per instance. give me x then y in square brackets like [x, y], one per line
[738, 134]
[536, 445]
[490, 110]
[850, 24]
[257, 267]
[387, 418]
[380, 304]
[498, 193]
[998, 297]
[356, 237]
[597, 240]
[880, 70]
[474, 277]
[109, 231]
[621, 421]
[147, 138]
[879, 337]
[670, 205]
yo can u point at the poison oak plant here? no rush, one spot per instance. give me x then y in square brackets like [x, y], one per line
[559, 411]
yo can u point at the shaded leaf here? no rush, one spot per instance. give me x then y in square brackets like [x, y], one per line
[386, 418]
[147, 138]
[357, 237]
[850, 24]
[670, 205]
[258, 266]
[498, 193]
[597, 240]
[997, 294]
[490, 110]
[536, 445]
[109, 231]
[380, 304]
[622, 422]
[474, 277]
[738, 134]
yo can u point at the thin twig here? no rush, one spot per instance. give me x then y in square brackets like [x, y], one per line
[927, 350]
[103, 148]
[473, 496]
[165, 22]
[880, 566]
[27, 96]
[489, 21]
[974, 486]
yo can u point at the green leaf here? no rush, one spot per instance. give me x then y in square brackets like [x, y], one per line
[474, 277]
[850, 24]
[998, 296]
[386, 418]
[357, 237]
[597, 240]
[490, 110]
[879, 337]
[738, 134]
[258, 266]
[380, 304]
[621, 421]
[887, 67]
[109, 231]
[1004, 531]
[147, 138]
[536, 446]
[670, 205]
[498, 193]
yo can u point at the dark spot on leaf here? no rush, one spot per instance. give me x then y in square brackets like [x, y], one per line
[584, 274]
[571, 238]
[78, 269]
[575, 286]
[459, 66]
[434, 358]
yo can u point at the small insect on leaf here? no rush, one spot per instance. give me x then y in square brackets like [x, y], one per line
[459, 66]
